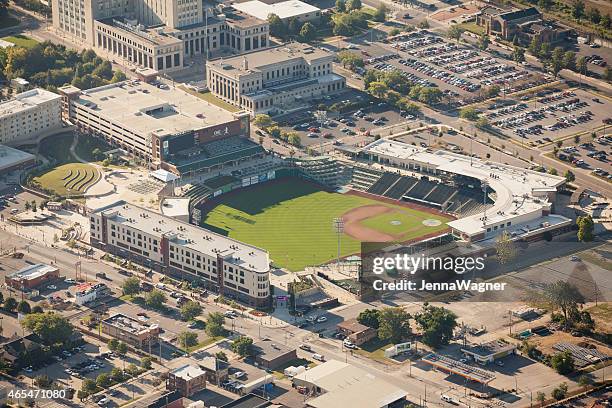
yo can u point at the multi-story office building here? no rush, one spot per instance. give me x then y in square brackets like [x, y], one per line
[159, 34]
[188, 252]
[168, 127]
[126, 40]
[29, 116]
[274, 80]
[76, 18]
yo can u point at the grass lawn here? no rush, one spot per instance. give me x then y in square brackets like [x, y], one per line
[7, 21]
[87, 144]
[206, 342]
[57, 148]
[293, 220]
[374, 349]
[472, 27]
[210, 98]
[69, 179]
[21, 40]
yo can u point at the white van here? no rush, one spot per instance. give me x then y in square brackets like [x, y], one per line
[447, 398]
[318, 357]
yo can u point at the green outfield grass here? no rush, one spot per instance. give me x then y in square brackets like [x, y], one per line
[293, 220]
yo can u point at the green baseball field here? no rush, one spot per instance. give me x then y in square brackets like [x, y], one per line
[294, 221]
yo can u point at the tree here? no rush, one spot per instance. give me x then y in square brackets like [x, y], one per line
[43, 381]
[187, 339]
[156, 299]
[534, 46]
[221, 356]
[263, 121]
[541, 397]
[214, 324]
[469, 113]
[308, 32]
[37, 309]
[545, 4]
[340, 6]
[132, 370]
[191, 310]
[581, 65]
[556, 62]
[585, 228]
[112, 344]
[482, 122]
[24, 307]
[10, 304]
[605, 21]
[430, 95]
[118, 76]
[578, 9]
[277, 27]
[584, 381]
[505, 248]
[117, 374]
[492, 91]
[378, 89]
[455, 32]
[370, 318]
[88, 386]
[553, 171]
[564, 296]
[293, 26]
[350, 59]
[131, 286]
[122, 349]
[569, 176]
[569, 60]
[483, 41]
[437, 324]
[353, 5]
[146, 363]
[104, 70]
[394, 324]
[4, 7]
[608, 74]
[560, 392]
[243, 346]
[380, 14]
[518, 54]
[103, 380]
[544, 51]
[27, 206]
[563, 363]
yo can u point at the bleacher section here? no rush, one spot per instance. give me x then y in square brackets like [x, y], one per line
[383, 183]
[466, 202]
[420, 190]
[400, 188]
[441, 194]
[363, 178]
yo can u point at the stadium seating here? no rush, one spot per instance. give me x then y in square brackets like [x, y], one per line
[363, 178]
[383, 183]
[398, 190]
[441, 194]
[420, 190]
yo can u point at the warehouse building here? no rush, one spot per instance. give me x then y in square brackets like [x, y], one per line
[32, 276]
[230, 267]
[274, 80]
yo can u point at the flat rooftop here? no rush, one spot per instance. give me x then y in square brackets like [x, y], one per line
[349, 386]
[26, 100]
[244, 20]
[489, 348]
[234, 66]
[150, 35]
[144, 108]
[456, 367]
[269, 350]
[189, 236]
[188, 372]
[10, 157]
[283, 9]
[175, 206]
[128, 323]
[519, 191]
[32, 272]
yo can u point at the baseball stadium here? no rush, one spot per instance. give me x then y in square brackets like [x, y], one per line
[310, 211]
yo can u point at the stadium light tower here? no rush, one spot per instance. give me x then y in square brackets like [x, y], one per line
[339, 229]
[485, 187]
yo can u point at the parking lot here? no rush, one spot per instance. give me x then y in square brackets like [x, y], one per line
[347, 128]
[550, 115]
[459, 70]
[591, 154]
